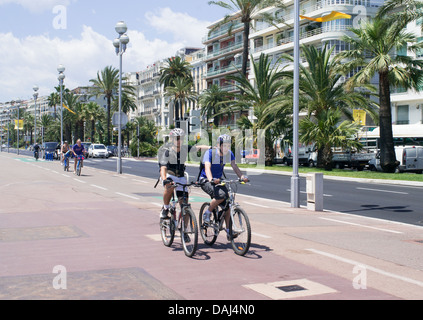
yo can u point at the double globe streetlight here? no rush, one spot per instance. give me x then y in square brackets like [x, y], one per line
[35, 88]
[120, 46]
[61, 69]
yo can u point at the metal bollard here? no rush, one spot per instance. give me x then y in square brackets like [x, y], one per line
[315, 191]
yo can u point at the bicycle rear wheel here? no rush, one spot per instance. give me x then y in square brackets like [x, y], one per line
[209, 231]
[189, 232]
[240, 232]
[167, 231]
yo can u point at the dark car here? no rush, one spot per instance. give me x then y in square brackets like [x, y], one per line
[112, 150]
[51, 147]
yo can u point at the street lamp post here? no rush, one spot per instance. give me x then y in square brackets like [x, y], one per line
[35, 88]
[120, 46]
[295, 180]
[61, 69]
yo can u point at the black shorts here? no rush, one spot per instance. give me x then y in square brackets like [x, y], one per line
[215, 192]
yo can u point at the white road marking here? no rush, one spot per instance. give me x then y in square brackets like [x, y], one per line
[260, 235]
[79, 181]
[361, 225]
[98, 187]
[257, 205]
[128, 196]
[356, 263]
[380, 190]
[136, 180]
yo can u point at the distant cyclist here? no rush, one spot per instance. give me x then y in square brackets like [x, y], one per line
[37, 149]
[78, 151]
[172, 166]
[214, 161]
[64, 150]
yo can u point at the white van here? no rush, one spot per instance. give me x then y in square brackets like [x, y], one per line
[409, 157]
[411, 160]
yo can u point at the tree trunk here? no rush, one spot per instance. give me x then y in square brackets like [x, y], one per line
[109, 102]
[327, 158]
[387, 150]
[92, 130]
[246, 47]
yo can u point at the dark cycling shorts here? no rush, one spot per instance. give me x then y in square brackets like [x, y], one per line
[215, 192]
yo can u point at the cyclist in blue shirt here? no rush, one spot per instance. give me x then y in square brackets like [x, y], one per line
[78, 150]
[214, 161]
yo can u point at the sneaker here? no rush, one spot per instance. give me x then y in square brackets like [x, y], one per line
[186, 238]
[206, 217]
[234, 235]
[164, 213]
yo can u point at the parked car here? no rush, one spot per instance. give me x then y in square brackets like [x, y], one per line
[98, 151]
[252, 156]
[112, 151]
[86, 147]
[51, 147]
[357, 161]
[410, 159]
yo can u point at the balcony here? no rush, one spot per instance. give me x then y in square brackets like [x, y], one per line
[303, 35]
[223, 31]
[224, 51]
[220, 71]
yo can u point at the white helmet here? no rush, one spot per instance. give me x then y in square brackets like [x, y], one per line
[177, 133]
[224, 138]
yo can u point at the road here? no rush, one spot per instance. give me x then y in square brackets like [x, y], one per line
[397, 203]
[392, 202]
[100, 233]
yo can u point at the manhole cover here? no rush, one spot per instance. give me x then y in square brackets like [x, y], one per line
[292, 288]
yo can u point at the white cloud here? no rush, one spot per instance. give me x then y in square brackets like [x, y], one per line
[34, 60]
[182, 26]
[37, 6]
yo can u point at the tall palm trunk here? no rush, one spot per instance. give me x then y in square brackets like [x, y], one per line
[246, 47]
[387, 149]
[109, 103]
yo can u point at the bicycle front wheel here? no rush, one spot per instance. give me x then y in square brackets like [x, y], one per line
[167, 231]
[240, 232]
[189, 232]
[209, 231]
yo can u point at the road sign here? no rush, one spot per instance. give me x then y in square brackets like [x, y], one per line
[123, 120]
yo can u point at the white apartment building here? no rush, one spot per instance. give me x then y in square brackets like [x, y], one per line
[407, 106]
[150, 94]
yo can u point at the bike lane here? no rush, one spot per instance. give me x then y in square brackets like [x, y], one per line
[98, 234]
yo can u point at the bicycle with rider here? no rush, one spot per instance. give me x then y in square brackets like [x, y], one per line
[172, 167]
[214, 161]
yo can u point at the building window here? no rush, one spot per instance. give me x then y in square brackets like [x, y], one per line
[402, 114]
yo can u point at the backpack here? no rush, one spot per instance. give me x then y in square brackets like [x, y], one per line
[211, 157]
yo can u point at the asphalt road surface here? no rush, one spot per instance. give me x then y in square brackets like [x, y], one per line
[398, 203]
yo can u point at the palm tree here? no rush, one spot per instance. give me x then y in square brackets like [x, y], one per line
[248, 9]
[28, 124]
[322, 88]
[180, 92]
[260, 98]
[46, 121]
[327, 131]
[106, 83]
[176, 68]
[401, 12]
[53, 100]
[212, 102]
[93, 112]
[375, 48]
[70, 101]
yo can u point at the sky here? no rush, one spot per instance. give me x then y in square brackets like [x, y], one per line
[38, 35]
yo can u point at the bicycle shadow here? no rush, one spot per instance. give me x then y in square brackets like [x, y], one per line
[205, 252]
